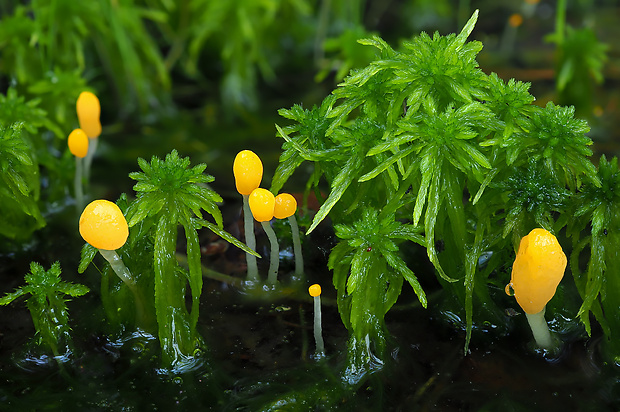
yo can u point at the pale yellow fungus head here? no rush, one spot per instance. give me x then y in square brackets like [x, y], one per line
[315, 290]
[285, 206]
[537, 270]
[262, 203]
[103, 225]
[78, 143]
[89, 111]
[248, 171]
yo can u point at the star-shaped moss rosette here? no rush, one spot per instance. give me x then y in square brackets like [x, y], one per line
[366, 259]
[555, 138]
[533, 198]
[47, 306]
[170, 193]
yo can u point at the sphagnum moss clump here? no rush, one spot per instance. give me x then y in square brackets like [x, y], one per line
[463, 160]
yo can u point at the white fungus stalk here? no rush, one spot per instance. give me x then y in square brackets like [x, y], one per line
[119, 267]
[315, 292]
[540, 330]
[250, 240]
[285, 207]
[274, 259]
[299, 259]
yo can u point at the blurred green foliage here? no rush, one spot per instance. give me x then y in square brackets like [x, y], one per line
[19, 184]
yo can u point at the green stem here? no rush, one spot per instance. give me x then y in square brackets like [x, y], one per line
[274, 260]
[540, 329]
[250, 240]
[318, 334]
[299, 258]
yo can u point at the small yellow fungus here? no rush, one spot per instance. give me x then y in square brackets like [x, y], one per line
[103, 225]
[78, 143]
[315, 290]
[248, 171]
[515, 20]
[537, 270]
[262, 203]
[285, 206]
[89, 111]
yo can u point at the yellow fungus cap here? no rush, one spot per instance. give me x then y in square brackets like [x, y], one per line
[248, 171]
[537, 270]
[315, 290]
[78, 143]
[285, 206]
[103, 225]
[262, 203]
[89, 111]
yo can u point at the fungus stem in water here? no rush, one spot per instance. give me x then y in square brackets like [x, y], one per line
[250, 240]
[286, 206]
[315, 292]
[299, 258]
[117, 265]
[77, 184]
[540, 329]
[88, 160]
[274, 259]
[262, 203]
[78, 145]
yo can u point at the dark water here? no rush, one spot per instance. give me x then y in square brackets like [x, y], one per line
[259, 356]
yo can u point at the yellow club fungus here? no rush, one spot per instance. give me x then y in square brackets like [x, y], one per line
[262, 204]
[315, 292]
[78, 143]
[536, 274]
[104, 227]
[285, 207]
[248, 173]
[89, 111]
